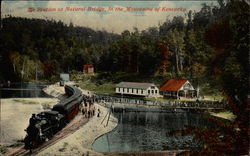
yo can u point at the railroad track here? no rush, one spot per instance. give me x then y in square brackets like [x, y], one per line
[70, 128]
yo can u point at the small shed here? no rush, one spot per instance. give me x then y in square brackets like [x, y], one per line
[177, 88]
[64, 77]
[138, 89]
[88, 69]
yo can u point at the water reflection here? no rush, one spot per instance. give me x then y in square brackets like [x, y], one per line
[147, 131]
[22, 90]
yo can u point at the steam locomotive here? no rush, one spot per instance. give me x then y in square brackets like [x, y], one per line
[44, 125]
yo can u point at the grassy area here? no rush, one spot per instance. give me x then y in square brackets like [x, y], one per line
[224, 114]
[107, 88]
[17, 144]
[213, 97]
[101, 78]
[104, 83]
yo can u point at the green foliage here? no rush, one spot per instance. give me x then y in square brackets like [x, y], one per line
[35, 48]
[17, 144]
[3, 149]
[46, 47]
[107, 88]
[104, 83]
[228, 37]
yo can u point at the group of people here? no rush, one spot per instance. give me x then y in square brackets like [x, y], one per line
[88, 109]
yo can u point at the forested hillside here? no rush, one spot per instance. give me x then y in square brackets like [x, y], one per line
[43, 48]
[48, 47]
[182, 47]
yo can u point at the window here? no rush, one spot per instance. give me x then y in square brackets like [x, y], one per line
[123, 90]
[148, 91]
[127, 90]
[141, 91]
[155, 91]
[152, 87]
[132, 90]
[118, 89]
[152, 91]
[137, 91]
[187, 86]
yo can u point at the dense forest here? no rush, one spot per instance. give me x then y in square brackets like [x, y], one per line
[209, 45]
[43, 48]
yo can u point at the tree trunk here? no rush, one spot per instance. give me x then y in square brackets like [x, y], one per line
[14, 66]
[181, 63]
[177, 60]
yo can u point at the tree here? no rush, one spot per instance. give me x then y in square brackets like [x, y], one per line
[165, 55]
[231, 68]
[15, 59]
[228, 36]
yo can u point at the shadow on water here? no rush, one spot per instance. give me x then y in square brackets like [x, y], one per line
[23, 90]
[148, 131]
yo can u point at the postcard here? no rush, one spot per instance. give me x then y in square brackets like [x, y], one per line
[103, 77]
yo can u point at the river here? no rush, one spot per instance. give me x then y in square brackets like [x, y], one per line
[23, 90]
[148, 131]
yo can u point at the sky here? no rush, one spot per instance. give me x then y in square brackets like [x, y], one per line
[112, 16]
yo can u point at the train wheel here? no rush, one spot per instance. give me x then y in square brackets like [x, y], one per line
[34, 144]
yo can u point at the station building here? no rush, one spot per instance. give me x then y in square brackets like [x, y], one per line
[88, 69]
[178, 88]
[138, 89]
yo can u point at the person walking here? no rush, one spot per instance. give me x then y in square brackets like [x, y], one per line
[98, 113]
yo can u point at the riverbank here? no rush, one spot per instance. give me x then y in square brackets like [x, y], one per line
[150, 153]
[224, 115]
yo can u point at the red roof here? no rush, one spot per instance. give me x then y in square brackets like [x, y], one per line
[173, 84]
[87, 66]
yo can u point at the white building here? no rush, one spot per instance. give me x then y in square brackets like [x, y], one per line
[139, 89]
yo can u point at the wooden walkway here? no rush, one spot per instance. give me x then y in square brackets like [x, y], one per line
[127, 106]
[195, 105]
